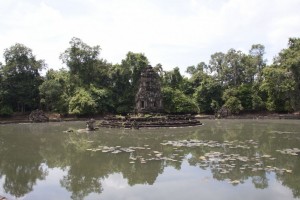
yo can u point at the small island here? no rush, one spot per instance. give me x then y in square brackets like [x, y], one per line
[149, 108]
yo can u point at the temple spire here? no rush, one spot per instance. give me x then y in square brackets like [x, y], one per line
[148, 98]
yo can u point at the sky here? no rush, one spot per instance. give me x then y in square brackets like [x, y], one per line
[174, 33]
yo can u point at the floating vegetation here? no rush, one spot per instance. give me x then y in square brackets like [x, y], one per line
[293, 152]
[283, 132]
[221, 160]
[134, 157]
[225, 159]
[212, 144]
[114, 150]
[70, 130]
[234, 182]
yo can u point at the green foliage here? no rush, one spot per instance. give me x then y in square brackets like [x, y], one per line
[54, 91]
[175, 101]
[102, 98]
[243, 97]
[187, 87]
[279, 85]
[256, 63]
[234, 68]
[289, 60]
[257, 102]
[244, 94]
[135, 62]
[214, 105]
[6, 111]
[200, 68]
[233, 104]
[82, 61]
[122, 90]
[173, 79]
[208, 95]
[82, 103]
[91, 85]
[20, 78]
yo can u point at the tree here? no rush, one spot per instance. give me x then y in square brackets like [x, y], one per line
[102, 98]
[191, 70]
[208, 95]
[135, 62]
[187, 87]
[289, 59]
[121, 89]
[125, 78]
[175, 101]
[244, 94]
[21, 78]
[159, 69]
[232, 102]
[55, 91]
[82, 103]
[82, 61]
[200, 68]
[197, 73]
[280, 86]
[216, 66]
[257, 62]
[173, 78]
[234, 68]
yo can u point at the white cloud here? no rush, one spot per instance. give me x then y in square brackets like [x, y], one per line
[170, 32]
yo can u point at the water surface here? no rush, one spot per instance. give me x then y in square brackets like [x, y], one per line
[224, 159]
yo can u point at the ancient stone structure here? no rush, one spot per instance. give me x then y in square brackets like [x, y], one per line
[148, 98]
[150, 122]
[90, 125]
[38, 116]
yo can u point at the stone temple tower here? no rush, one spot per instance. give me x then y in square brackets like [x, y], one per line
[148, 98]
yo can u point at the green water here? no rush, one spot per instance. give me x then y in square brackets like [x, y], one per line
[223, 159]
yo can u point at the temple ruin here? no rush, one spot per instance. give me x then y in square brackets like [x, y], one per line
[148, 98]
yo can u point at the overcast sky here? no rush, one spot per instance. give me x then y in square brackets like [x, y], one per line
[171, 32]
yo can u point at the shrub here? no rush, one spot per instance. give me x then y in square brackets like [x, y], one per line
[82, 103]
[6, 111]
[234, 105]
[175, 101]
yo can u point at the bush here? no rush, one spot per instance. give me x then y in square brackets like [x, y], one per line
[234, 105]
[175, 101]
[6, 111]
[82, 103]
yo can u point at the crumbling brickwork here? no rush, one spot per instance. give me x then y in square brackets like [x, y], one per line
[148, 98]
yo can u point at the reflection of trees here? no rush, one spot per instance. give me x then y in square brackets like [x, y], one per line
[261, 181]
[141, 173]
[20, 178]
[20, 162]
[87, 169]
[84, 172]
[147, 173]
[22, 155]
[269, 142]
[292, 180]
[83, 177]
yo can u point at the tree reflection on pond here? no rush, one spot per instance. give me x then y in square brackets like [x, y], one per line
[232, 151]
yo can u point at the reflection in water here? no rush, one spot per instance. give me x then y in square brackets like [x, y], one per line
[20, 162]
[234, 153]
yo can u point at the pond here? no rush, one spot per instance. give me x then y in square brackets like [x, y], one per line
[223, 159]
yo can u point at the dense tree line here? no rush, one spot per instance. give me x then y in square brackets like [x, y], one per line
[233, 80]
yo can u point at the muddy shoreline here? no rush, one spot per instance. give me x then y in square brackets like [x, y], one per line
[23, 118]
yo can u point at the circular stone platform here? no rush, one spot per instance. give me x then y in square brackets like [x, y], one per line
[150, 122]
